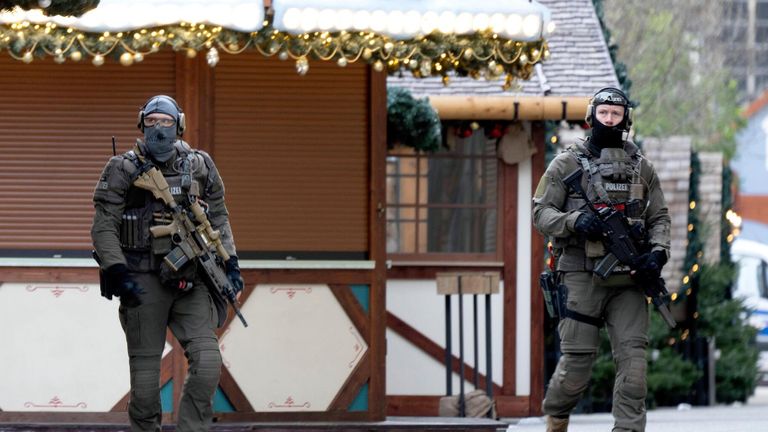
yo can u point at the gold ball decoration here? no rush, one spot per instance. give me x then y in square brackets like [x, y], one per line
[59, 59]
[388, 47]
[413, 64]
[283, 55]
[212, 57]
[191, 53]
[342, 62]
[302, 66]
[126, 59]
[367, 53]
[233, 46]
[378, 66]
[138, 57]
[98, 60]
[425, 67]
[27, 57]
[468, 53]
[76, 56]
[523, 59]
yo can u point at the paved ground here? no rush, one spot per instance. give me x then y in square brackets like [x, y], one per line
[749, 417]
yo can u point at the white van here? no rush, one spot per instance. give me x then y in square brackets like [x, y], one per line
[752, 286]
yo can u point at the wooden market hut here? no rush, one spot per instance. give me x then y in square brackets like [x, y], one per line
[303, 159]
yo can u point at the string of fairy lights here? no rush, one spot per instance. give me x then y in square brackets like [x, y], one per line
[482, 54]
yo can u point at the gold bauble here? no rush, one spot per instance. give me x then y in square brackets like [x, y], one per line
[367, 53]
[378, 66]
[27, 57]
[342, 61]
[413, 64]
[126, 59]
[191, 53]
[468, 53]
[98, 60]
[138, 57]
[59, 59]
[283, 55]
[76, 56]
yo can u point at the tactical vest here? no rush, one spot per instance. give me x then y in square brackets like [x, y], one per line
[144, 253]
[613, 179]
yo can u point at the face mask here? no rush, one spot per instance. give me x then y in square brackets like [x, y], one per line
[607, 137]
[159, 141]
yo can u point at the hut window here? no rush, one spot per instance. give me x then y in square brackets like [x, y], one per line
[444, 202]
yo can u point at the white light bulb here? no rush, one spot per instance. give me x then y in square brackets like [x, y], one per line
[498, 22]
[362, 20]
[429, 22]
[395, 22]
[447, 22]
[411, 22]
[292, 19]
[514, 25]
[378, 21]
[463, 23]
[481, 22]
[326, 19]
[309, 19]
[551, 27]
[531, 25]
[344, 19]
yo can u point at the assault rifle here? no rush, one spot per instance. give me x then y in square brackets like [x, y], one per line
[619, 239]
[193, 236]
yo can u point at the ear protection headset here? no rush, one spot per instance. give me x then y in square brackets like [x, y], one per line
[181, 123]
[610, 96]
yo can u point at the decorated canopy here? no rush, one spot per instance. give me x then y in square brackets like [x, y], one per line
[425, 38]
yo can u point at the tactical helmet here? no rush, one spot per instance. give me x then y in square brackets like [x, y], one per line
[166, 105]
[610, 96]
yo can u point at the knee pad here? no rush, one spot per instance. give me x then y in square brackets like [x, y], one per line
[145, 376]
[205, 364]
[574, 372]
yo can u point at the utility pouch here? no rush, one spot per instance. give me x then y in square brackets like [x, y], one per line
[134, 230]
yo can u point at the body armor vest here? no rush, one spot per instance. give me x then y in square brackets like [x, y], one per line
[142, 211]
[613, 179]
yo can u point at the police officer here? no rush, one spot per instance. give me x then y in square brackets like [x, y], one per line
[152, 297]
[617, 174]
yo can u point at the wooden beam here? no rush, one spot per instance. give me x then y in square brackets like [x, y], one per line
[456, 107]
[509, 338]
[434, 350]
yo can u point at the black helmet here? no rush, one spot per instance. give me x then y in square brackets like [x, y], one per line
[166, 105]
[610, 96]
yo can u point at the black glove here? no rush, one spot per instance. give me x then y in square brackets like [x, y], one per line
[647, 267]
[122, 285]
[233, 273]
[589, 225]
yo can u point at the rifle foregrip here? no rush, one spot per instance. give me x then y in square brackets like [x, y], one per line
[163, 230]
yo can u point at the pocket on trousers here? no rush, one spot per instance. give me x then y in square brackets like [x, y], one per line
[131, 323]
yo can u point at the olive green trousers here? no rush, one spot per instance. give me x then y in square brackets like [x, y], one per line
[192, 318]
[624, 307]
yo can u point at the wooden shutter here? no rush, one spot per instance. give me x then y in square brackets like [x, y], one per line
[293, 153]
[56, 124]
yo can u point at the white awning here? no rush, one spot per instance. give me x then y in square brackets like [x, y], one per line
[123, 15]
[521, 20]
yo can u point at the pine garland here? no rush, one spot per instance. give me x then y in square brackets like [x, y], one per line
[411, 122]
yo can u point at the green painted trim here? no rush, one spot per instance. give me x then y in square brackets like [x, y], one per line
[361, 400]
[363, 295]
[221, 403]
[166, 397]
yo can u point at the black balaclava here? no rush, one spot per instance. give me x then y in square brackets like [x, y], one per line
[608, 136]
[160, 140]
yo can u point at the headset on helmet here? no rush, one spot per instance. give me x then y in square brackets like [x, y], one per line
[181, 123]
[610, 96]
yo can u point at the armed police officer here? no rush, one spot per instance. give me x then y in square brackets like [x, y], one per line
[617, 176]
[152, 295]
